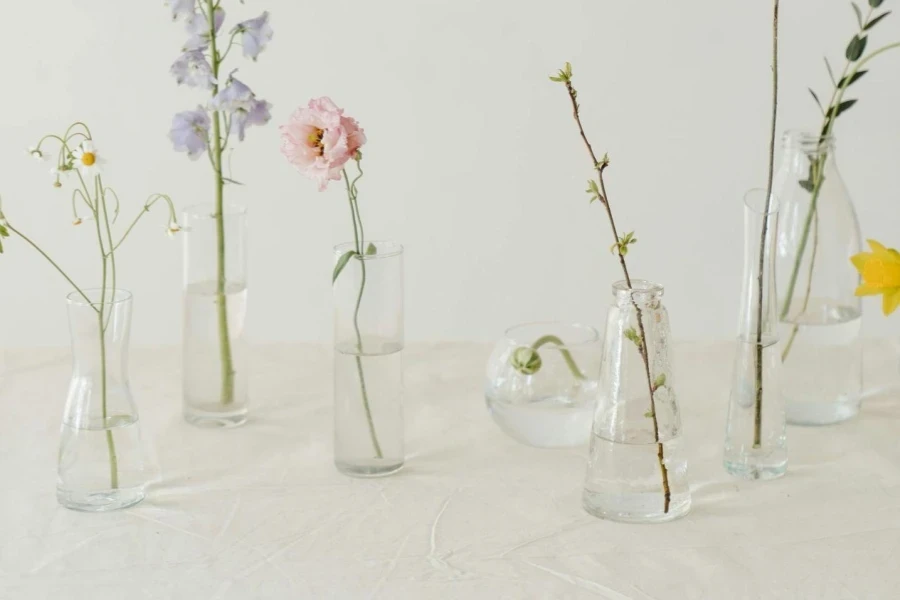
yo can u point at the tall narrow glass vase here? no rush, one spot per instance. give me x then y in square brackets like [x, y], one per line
[820, 317]
[368, 364]
[637, 470]
[755, 440]
[102, 462]
[215, 360]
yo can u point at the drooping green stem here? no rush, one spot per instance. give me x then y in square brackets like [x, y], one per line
[359, 241]
[567, 356]
[227, 391]
[763, 242]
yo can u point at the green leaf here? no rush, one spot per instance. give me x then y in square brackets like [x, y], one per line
[660, 380]
[844, 106]
[816, 98]
[856, 47]
[875, 3]
[858, 14]
[341, 263]
[229, 180]
[371, 250]
[649, 414]
[632, 335]
[851, 79]
[875, 21]
[830, 72]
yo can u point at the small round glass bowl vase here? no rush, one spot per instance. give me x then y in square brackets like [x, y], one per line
[542, 382]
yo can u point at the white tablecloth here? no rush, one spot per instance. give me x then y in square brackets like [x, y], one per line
[260, 512]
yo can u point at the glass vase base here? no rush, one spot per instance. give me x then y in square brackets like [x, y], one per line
[556, 422]
[218, 419]
[749, 471]
[368, 469]
[637, 507]
[104, 501]
[821, 413]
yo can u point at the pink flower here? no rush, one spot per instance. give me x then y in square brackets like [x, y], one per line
[319, 140]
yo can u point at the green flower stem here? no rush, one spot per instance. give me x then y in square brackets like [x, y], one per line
[359, 240]
[221, 298]
[757, 408]
[567, 356]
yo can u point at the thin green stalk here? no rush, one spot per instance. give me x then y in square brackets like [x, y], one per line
[221, 282]
[567, 356]
[757, 409]
[359, 240]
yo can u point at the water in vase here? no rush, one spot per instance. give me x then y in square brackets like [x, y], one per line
[87, 478]
[368, 411]
[205, 403]
[822, 372]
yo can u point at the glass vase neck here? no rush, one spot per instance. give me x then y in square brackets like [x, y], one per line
[807, 142]
[640, 292]
[760, 231]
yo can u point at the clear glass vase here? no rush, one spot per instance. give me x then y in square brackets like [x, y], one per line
[755, 440]
[542, 383]
[637, 470]
[368, 360]
[820, 317]
[102, 460]
[215, 359]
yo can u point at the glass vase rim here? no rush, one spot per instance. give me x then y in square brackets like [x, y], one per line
[392, 249]
[119, 296]
[207, 210]
[638, 286]
[592, 335]
[807, 140]
[759, 208]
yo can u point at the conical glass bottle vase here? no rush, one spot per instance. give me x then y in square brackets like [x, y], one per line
[102, 460]
[755, 439]
[637, 470]
[821, 318]
[215, 352]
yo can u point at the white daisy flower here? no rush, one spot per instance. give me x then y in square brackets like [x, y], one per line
[35, 154]
[172, 229]
[87, 159]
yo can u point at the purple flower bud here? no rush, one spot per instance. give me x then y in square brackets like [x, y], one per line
[198, 30]
[257, 114]
[190, 132]
[256, 34]
[192, 69]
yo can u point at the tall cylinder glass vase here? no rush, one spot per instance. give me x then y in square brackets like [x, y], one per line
[368, 364]
[102, 460]
[755, 440]
[215, 352]
[637, 470]
[820, 317]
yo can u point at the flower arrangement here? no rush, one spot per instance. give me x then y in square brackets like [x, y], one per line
[210, 129]
[880, 272]
[319, 141]
[597, 192]
[853, 71]
[78, 161]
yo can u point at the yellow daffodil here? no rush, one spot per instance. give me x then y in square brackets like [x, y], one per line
[880, 271]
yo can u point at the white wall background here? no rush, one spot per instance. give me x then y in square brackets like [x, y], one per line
[473, 160]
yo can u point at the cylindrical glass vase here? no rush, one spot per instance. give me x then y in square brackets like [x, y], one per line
[368, 364]
[215, 349]
[820, 316]
[637, 470]
[755, 439]
[542, 382]
[102, 460]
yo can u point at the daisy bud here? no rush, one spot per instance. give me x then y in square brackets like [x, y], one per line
[77, 221]
[526, 360]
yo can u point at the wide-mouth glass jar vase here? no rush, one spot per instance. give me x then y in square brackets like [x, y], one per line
[542, 381]
[368, 359]
[820, 316]
[637, 470]
[214, 344]
[102, 459]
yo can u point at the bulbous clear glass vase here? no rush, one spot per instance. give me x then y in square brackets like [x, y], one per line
[102, 459]
[637, 470]
[820, 317]
[542, 382]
